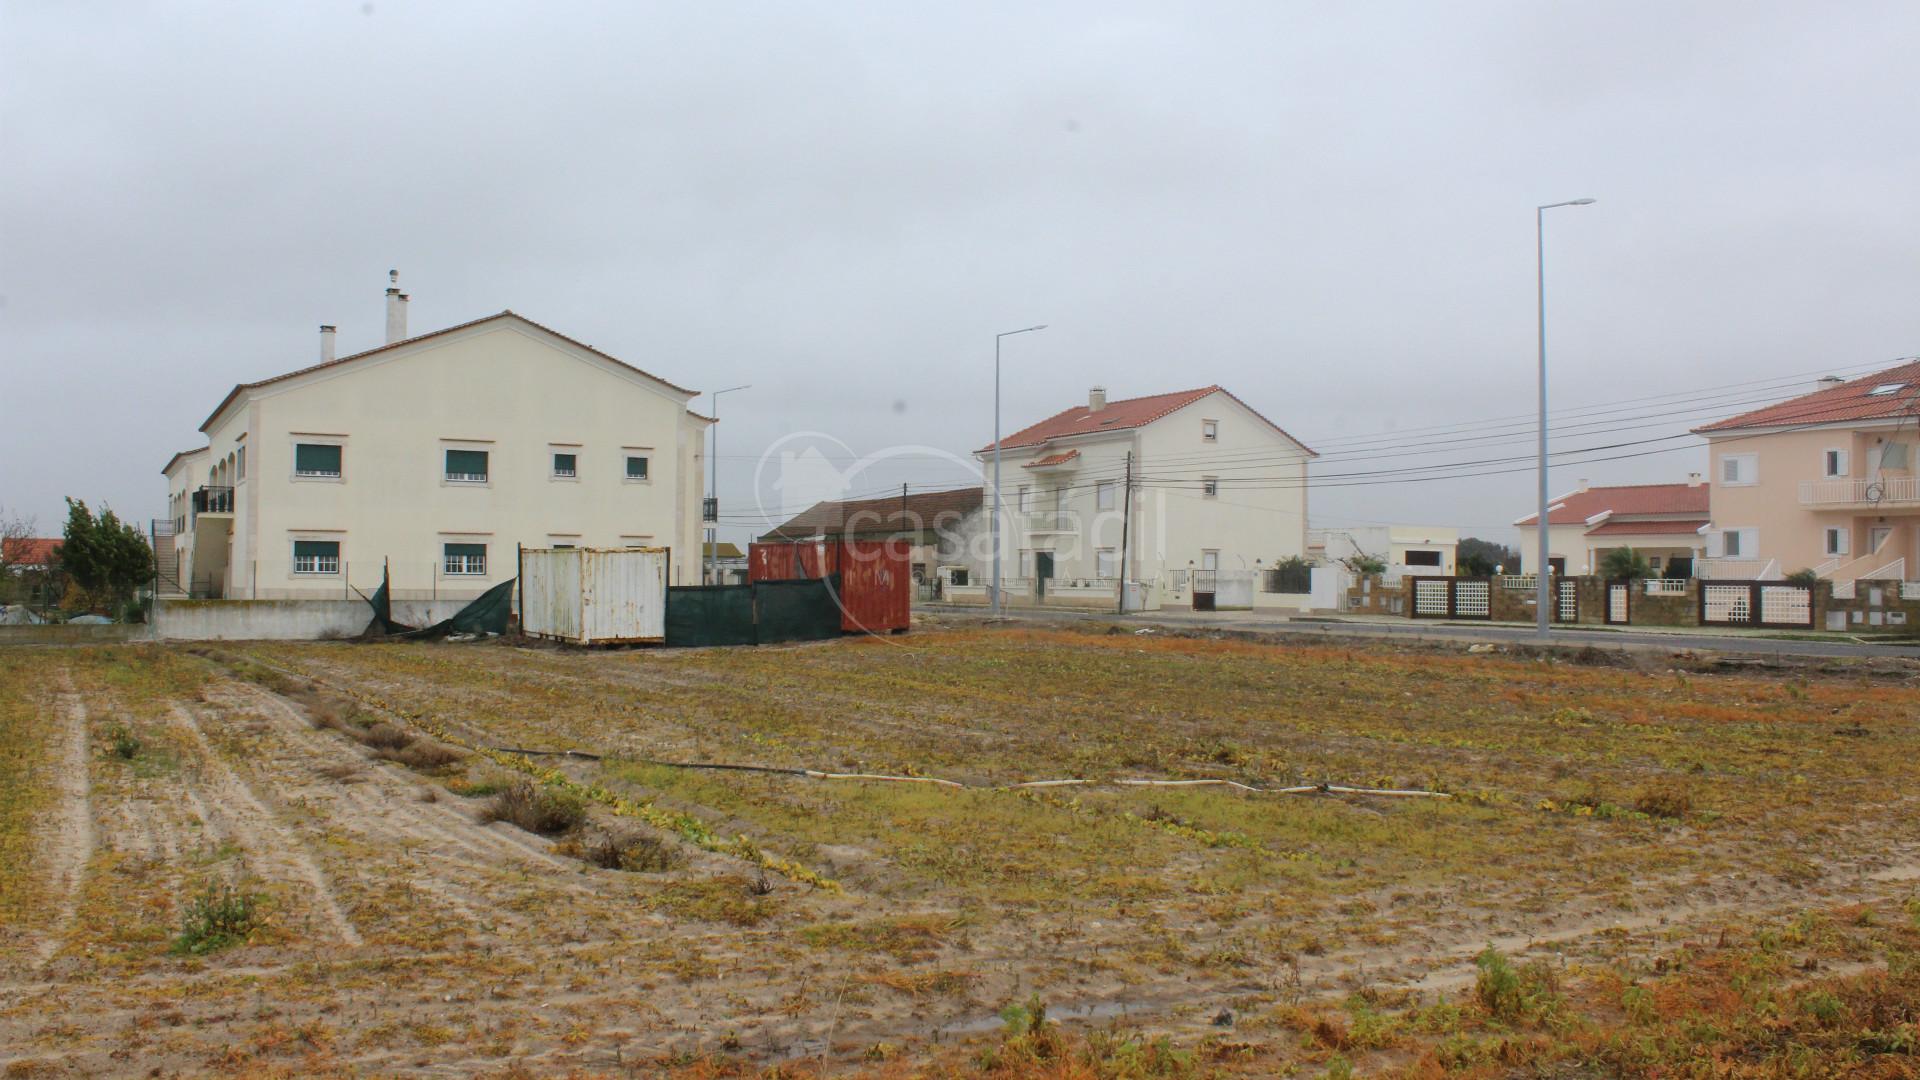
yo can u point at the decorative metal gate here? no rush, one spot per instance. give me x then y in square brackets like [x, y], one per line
[1619, 602]
[1452, 598]
[1777, 604]
[1566, 600]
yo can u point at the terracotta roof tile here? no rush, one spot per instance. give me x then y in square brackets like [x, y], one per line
[1625, 500]
[1051, 460]
[1849, 401]
[885, 515]
[1120, 415]
[28, 550]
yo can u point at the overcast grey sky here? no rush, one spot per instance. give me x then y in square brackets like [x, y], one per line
[1325, 208]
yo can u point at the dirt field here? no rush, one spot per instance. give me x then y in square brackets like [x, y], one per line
[271, 860]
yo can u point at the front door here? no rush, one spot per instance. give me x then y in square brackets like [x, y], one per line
[1042, 571]
[1876, 536]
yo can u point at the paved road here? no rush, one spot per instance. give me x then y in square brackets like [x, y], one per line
[1410, 630]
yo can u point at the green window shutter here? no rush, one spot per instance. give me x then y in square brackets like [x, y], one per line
[315, 459]
[563, 465]
[467, 463]
[323, 549]
[636, 467]
[466, 550]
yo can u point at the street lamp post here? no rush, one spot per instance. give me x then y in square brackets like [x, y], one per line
[713, 486]
[1544, 613]
[996, 457]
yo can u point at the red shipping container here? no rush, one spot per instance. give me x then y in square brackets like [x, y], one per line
[876, 585]
[876, 577]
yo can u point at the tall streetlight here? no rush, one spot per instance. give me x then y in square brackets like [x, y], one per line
[996, 457]
[1543, 612]
[713, 486]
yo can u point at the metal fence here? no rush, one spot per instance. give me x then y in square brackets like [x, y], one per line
[1773, 604]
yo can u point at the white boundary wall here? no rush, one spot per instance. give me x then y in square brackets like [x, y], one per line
[284, 620]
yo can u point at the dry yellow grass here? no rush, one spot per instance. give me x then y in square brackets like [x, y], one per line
[1597, 812]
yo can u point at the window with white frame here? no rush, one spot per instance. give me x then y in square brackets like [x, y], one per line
[636, 466]
[1210, 431]
[1026, 563]
[566, 465]
[1739, 543]
[1739, 469]
[316, 556]
[466, 466]
[240, 462]
[1837, 541]
[320, 461]
[1893, 455]
[1106, 563]
[1835, 462]
[1209, 486]
[1210, 560]
[1103, 496]
[1020, 499]
[464, 560]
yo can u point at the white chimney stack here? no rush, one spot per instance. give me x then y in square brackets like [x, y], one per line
[1096, 399]
[1694, 479]
[326, 344]
[1583, 483]
[1827, 382]
[396, 309]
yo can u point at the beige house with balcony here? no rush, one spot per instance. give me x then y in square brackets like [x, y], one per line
[1825, 481]
[436, 457]
[1215, 487]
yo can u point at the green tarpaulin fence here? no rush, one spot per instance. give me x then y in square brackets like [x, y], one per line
[759, 614]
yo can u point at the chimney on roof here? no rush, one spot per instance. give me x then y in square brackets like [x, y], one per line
[1583, 483]
[1694, 479]
[326, 344]
[1827, 382]
[396, 309]
[1096, 399]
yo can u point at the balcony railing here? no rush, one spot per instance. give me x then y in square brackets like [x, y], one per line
[1849, 491]
[213, 500]
[1052, 521]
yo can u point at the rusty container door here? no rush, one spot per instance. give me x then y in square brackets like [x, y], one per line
[876, 586]
[817, 559]
[623, 596]
[771, 562]
[550, 593]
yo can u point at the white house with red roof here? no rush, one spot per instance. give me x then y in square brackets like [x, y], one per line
[1663, 522]
[1216, 486]
[437, 455]
[1825, 481]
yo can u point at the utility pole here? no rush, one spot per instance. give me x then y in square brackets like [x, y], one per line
[1126, 523]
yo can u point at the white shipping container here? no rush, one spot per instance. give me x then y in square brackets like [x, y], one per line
[594, 596]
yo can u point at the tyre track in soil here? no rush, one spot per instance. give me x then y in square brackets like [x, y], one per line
[69, 840]
[456, 861]
[386, 806]
[233, 809]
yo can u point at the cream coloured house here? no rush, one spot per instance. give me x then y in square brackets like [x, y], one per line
[1825, 481]
[1216, 487]
[1663, 522]
[437, 456]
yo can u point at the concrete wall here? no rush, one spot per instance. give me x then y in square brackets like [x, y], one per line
[283, 620]
[67, 634]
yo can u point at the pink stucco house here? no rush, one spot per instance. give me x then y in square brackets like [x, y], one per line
[1825, 481]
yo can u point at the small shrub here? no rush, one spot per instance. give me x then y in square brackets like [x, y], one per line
[123, 743]
[1663, 800]
[536, 809]
[1497, 986]
[423, 754]
[220, 916]
[384, 736]
[630, 851]
[1824, 1007]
